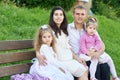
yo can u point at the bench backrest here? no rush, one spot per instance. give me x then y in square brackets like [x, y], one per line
[15, 56]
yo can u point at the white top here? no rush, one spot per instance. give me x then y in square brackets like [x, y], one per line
[65, 56]
[63, 48]
[74, 37]
[50, 55]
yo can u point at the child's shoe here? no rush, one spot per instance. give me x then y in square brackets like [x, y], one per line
[115, 78]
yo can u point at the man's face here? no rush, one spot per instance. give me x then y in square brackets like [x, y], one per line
[79, 15]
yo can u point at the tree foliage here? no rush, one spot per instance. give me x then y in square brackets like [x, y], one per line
[66, 4]
[109, 8]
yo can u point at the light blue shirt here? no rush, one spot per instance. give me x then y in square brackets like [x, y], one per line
[74, 37]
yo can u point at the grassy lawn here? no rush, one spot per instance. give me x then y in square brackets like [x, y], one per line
[21, 23]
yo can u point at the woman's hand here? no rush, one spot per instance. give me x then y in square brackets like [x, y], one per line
[41, 58]
[82, 61]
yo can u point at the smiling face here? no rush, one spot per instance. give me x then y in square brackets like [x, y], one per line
[47, 38]
[79, 15]
[58, 17]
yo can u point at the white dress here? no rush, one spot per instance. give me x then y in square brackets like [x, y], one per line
[65, 56]
[51, 70]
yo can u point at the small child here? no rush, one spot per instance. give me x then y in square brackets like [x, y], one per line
[90, 42]
[44, 42]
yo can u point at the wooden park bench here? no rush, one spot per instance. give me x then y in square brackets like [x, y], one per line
[15, 56]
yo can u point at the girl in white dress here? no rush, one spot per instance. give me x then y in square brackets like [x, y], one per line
[53, 69]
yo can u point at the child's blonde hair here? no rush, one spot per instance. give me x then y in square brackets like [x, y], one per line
[38, 39]
[91, 21]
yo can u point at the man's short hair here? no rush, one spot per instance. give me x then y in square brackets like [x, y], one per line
[78, 7]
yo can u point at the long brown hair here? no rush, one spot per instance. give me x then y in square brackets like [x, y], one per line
[63, 25]
[38, 39]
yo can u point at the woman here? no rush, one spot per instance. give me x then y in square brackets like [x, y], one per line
[58, 23]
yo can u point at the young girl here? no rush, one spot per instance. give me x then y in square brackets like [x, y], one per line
[90, 43]
[45, 44]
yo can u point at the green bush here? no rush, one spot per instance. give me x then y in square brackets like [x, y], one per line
[113, 3]
[101, 8]
[66, 4]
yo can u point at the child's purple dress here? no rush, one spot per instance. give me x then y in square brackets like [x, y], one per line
[28, 77]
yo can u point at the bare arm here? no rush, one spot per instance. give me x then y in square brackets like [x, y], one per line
[82, 61]
[41, 58]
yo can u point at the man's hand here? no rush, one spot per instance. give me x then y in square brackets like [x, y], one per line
[90, 53]
[96, 55]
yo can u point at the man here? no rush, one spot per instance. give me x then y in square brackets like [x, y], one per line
[75, 30]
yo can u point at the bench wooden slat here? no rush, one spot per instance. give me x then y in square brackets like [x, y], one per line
[15, 45]
[17, 56]
[14, 69]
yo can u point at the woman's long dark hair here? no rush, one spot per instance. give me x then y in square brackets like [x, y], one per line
[63, 25]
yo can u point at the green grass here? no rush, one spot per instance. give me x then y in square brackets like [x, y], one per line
[109, 32]
[21, 23]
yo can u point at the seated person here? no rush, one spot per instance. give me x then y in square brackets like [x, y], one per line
[75, 31]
